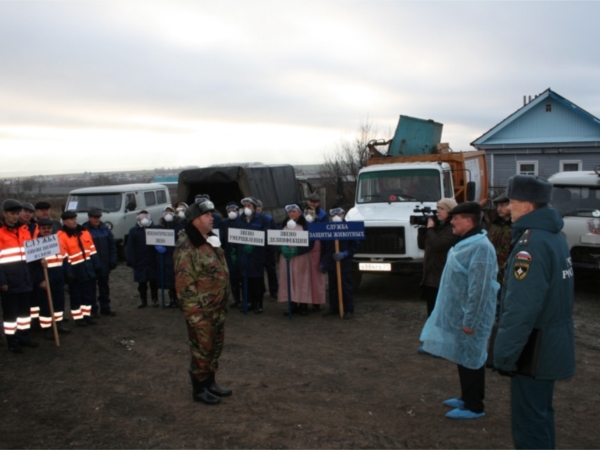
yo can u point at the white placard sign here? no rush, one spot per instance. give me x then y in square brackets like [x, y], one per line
[293, 238]
[247, 237]
[41, 247]
[160, 237]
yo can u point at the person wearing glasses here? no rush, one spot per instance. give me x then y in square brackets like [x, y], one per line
[300, 265]
[252, 258]
[347, 249]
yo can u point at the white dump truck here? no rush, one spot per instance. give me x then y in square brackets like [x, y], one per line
[576, 195]
[398, 190]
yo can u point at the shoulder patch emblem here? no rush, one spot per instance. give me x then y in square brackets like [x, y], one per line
[521, 269]
[525, 256]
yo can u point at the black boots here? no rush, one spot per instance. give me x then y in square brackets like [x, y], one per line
[201, 393]
[143, 298]
[208, 391]
[214, 388]
[172, 299]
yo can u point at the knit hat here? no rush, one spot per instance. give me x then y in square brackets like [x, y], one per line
[314, 197]
[529, 188]
[447, 204]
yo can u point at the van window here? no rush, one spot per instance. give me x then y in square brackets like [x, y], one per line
[106, 202]
[130, 198]
[161, 197]
[576, 200]
[150, 198]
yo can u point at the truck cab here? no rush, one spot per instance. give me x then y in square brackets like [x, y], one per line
[576, 196]
[386, 198]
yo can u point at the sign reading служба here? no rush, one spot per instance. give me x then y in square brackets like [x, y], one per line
[41, 247]
[336, 231]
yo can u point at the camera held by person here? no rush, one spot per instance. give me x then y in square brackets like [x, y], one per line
[426, 214]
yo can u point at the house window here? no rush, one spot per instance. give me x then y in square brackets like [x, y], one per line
[527, 167]
[548, 108]
[570, 166]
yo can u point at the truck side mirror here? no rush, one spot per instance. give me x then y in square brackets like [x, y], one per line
[130, 206]
[471, 191]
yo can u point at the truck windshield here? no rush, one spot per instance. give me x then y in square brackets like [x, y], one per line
[106, 202]
[389, 186]
[576, 200]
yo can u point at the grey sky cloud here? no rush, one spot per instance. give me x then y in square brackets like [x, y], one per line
[325, 66]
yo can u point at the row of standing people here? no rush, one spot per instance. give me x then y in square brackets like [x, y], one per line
[307, 265]
[153, 265]
[86, 256]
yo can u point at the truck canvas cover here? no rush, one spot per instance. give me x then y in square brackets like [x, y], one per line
[274, 185]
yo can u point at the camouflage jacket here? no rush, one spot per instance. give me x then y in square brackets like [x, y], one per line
[201, 274]
[500, 237]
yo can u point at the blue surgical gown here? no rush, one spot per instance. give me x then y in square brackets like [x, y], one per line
[467, 297]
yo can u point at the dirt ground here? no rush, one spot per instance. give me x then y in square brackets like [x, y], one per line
[309, 382]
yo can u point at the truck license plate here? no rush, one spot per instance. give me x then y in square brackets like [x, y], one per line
[379, 267]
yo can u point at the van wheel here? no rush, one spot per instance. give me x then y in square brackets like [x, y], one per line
[356, 279]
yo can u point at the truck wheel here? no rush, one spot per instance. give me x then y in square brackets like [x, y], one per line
[356, 279]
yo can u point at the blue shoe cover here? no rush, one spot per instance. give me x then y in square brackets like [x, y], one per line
[464, 414]
[454, 403]
[422, 351]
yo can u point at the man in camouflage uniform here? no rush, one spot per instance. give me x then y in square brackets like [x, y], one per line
[202, 285]
[500, 233]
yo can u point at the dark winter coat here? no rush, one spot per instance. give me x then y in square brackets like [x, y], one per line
[167, 257]
[105, 246]
[141, 257]
[436, 242]
[232, 264]
[252, 265]
[350, 246]
[538, 293]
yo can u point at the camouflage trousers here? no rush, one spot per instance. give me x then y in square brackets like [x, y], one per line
[206, 334]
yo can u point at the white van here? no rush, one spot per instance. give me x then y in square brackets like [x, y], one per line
[576, 195]
[120, 204]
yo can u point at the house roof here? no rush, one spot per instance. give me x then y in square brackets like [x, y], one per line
[533, 124]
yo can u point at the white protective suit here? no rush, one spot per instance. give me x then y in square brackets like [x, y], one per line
[467, 297]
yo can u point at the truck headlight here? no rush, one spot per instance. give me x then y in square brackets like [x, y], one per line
[109, 225]
[597, 170]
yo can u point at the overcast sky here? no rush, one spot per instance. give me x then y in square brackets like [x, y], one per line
[124, 85]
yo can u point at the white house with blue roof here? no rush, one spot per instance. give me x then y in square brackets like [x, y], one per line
[547, 135]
